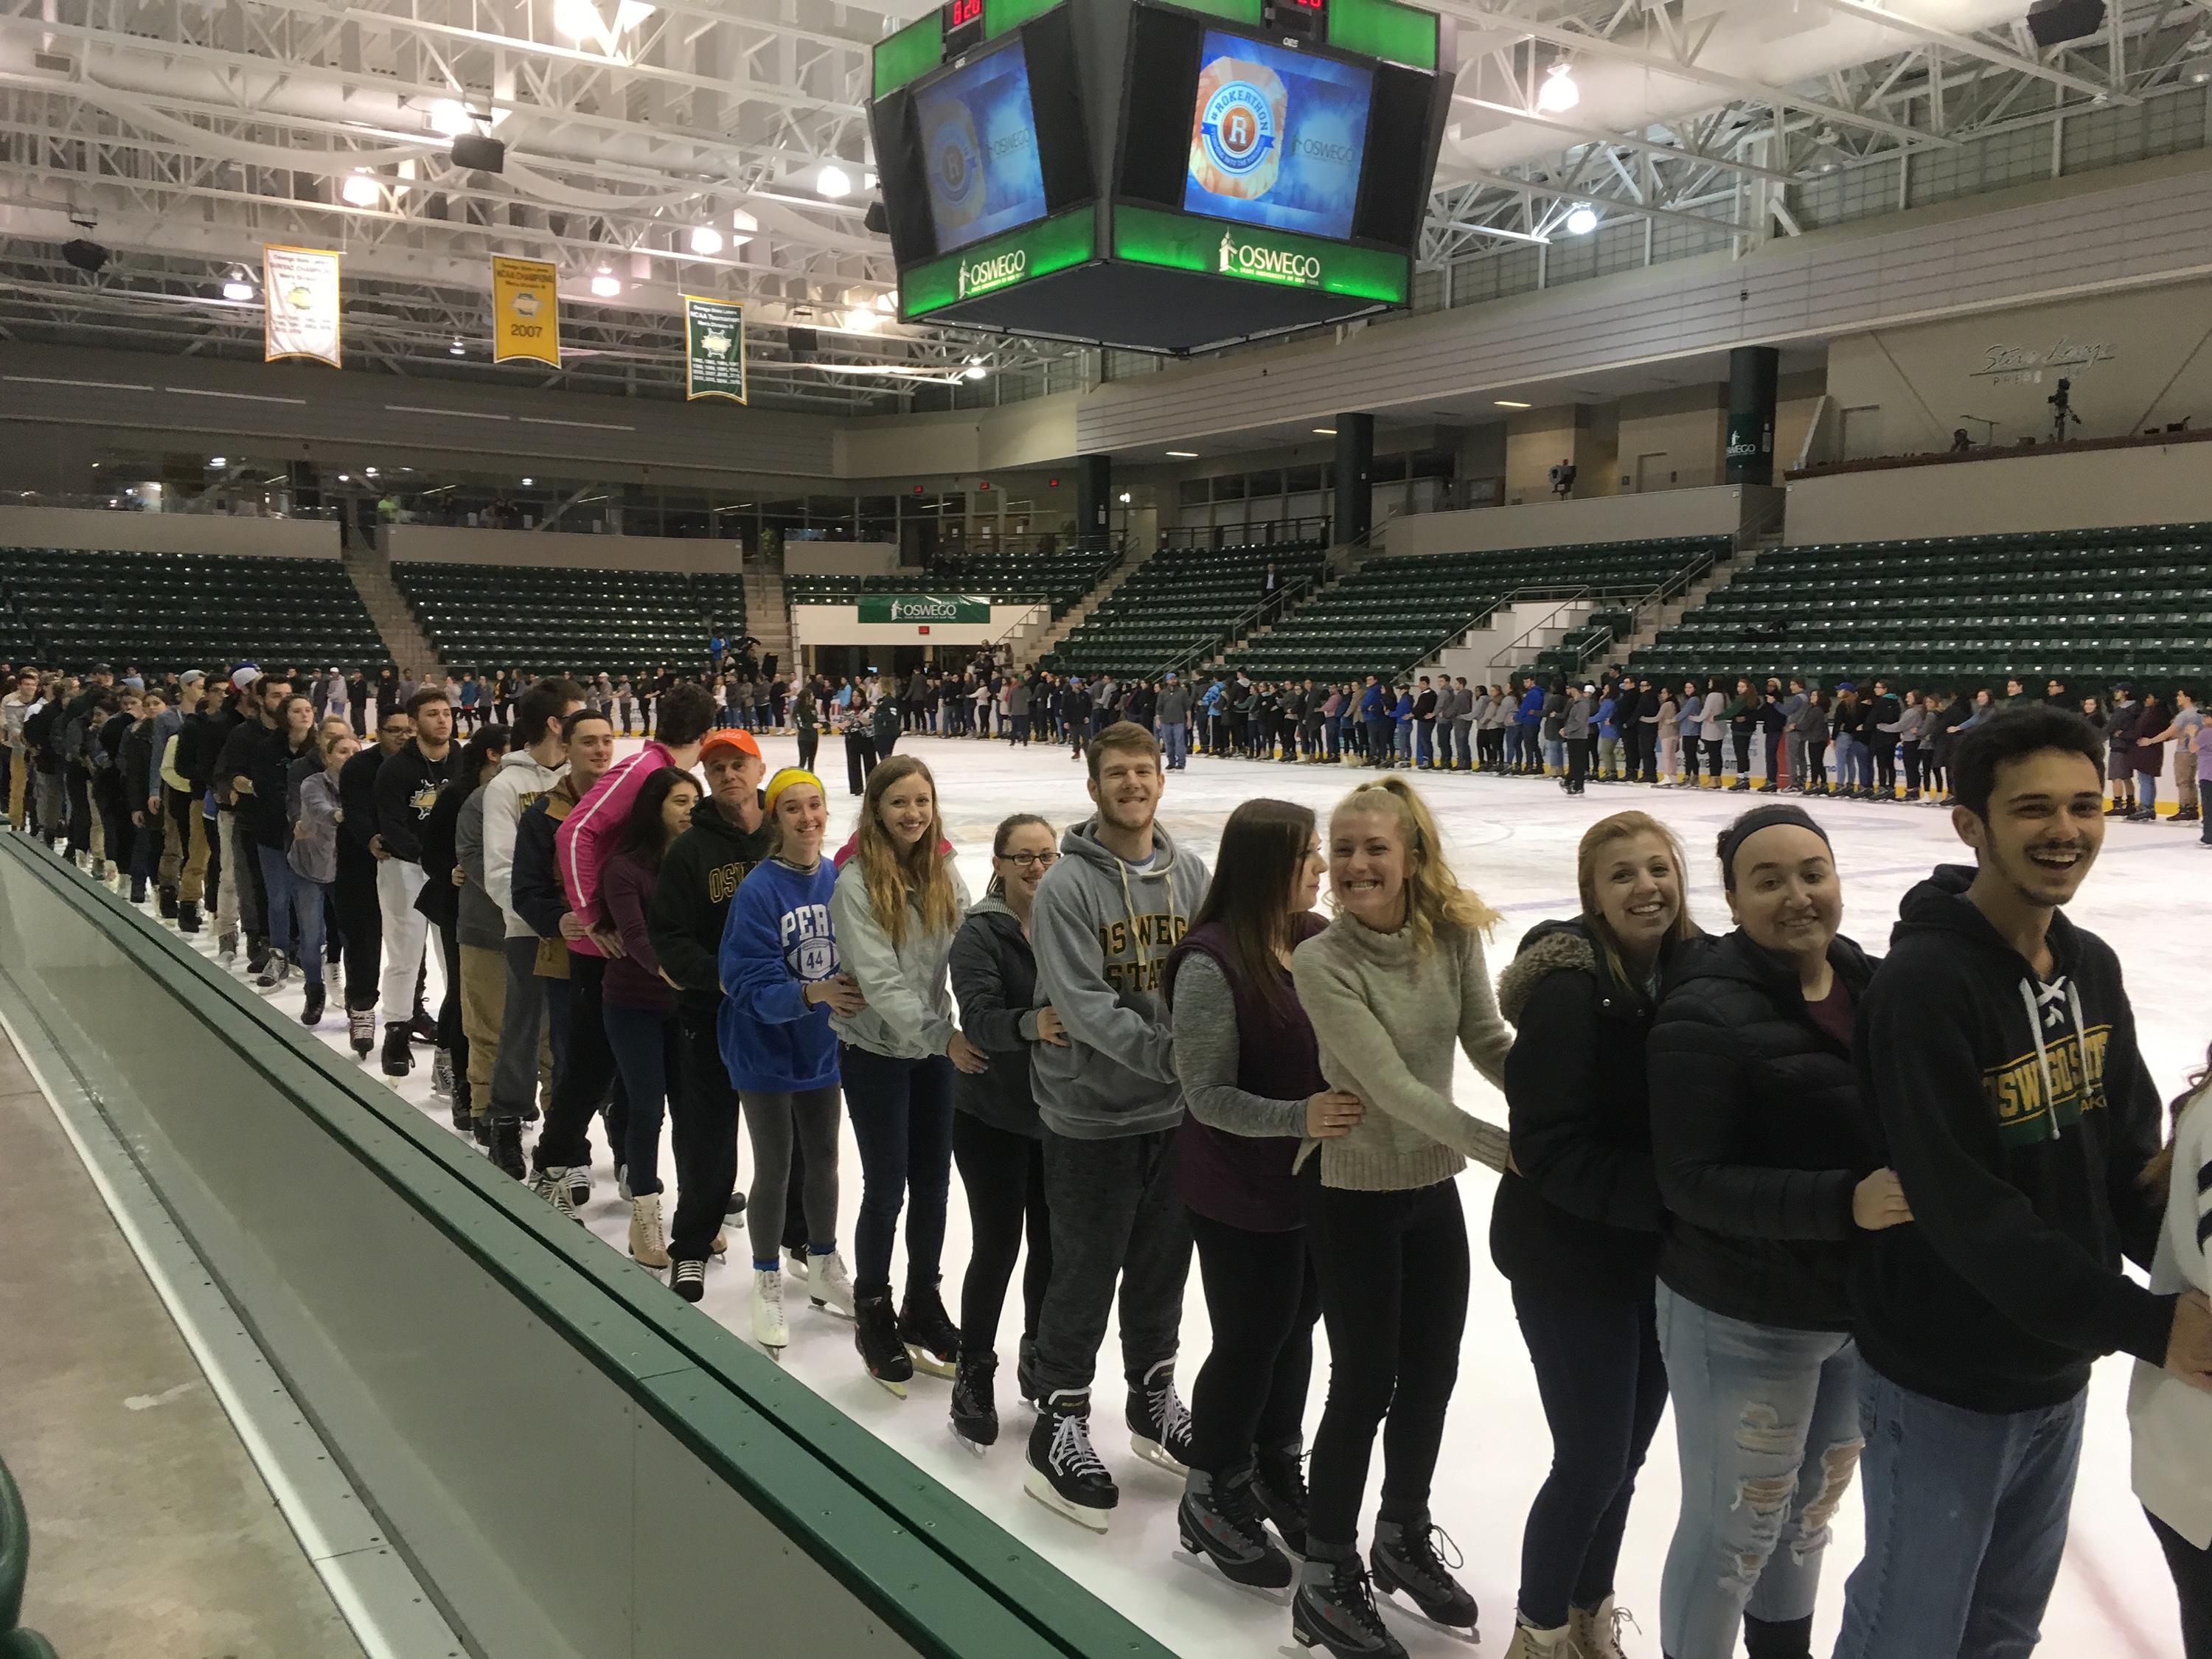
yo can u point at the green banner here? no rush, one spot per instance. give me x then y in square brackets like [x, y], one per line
[924, 608]
[998, 262]
[1242, 253]
[713, 348]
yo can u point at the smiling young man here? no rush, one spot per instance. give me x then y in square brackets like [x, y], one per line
[1999, 1052]
[1105, 918]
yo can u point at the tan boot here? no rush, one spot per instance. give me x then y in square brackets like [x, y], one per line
[648, 1239]
[1529, 1642]
[1595, 1631]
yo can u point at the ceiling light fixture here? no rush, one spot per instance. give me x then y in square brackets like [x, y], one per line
[834, 182]
[359, 189]
[862, 319]
[218, 460]
[1582, 220]
[236, 287]
[578, 19]
[527, 482]
[456, 350]
[705, 240]
[977, 371]
[1558, 93]
[1125, 498]
[449, 118]
[1508, 403]
[887, 302]
[606, 284]
[1183, 455]
[1325, 431]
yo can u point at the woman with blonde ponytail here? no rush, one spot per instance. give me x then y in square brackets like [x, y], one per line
[1391, 986]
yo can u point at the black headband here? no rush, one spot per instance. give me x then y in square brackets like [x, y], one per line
[1758, 818]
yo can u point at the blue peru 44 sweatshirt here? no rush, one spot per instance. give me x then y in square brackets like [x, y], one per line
[777, 941]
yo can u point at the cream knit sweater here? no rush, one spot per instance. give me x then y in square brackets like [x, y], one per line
[1387, 1018]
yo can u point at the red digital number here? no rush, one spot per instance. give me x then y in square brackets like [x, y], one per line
[964, 12]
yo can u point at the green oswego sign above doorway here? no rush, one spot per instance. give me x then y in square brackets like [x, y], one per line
[924, 608]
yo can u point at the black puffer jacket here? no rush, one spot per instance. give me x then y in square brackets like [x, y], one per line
[1583, 1216]
[1760, 1132]
[994, 976]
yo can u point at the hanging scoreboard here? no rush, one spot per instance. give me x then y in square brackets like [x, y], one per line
[1164, 178]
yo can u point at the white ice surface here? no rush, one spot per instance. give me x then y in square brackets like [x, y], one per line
[1514, 841]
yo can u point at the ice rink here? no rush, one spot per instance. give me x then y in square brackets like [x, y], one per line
[1514, 841]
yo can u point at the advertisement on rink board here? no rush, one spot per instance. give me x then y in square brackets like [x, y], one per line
[526, 310]
[713, 348]
[300, 304]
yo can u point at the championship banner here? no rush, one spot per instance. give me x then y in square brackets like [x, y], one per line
[525, 311]
[300, 304]
[713, 348]
[923, 608]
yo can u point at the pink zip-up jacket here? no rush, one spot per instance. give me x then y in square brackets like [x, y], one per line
[586, 839]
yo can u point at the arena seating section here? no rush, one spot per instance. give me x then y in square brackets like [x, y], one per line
[1176, 603]
[1393, 612]
[1062, 575]
[2087, 606]
[549, 618]
[169, 611]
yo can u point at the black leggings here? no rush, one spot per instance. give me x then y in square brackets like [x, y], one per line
[1604, 1387]
[1918, 767]
[1712, 758]
[2192, 1580]
[1742, 756]
[1392, 1268]
[1884, 764]
[1262, 1298]
[1003, 1173]
[1816, 768]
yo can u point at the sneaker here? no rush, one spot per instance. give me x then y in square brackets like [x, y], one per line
[361, 1030]
[1279, 1486]
[875, 1335]
[1334, 1609]
[311, 1006]
[933, 1341]
[505, 1146]
[398, 1060]
[688, 1279]
[830, 1284]
[769, 1327]
[1065, 1473]
[649, 1236]
[1405, 1561]
[1595, 1631]
[441, 1073]
[1220, 1520]
[1159, 1422]
[975, 1403]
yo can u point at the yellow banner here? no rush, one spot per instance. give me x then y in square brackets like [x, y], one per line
[525, 311]
[300, 304]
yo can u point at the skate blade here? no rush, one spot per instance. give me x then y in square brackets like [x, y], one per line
[1402, 1603]
[928, 1364]
[773, 1350]
[830, 1307]
[975, 1448]
[1041, 1489]
[1197, 1561]
[890, 1387]
[1151, 1451]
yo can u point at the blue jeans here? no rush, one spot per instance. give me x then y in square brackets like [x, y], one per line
[1173, 739]
[1555, 754]
[1854, 765]
[648, 1054]
[284, 900]
[1378, 739]
[901, 1113]
[1766, 1420]
[1425, 742]
[1966, 1524]
[1332, 729]
[309, 916]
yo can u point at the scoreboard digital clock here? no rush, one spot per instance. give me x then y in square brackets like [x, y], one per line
[1167, 175]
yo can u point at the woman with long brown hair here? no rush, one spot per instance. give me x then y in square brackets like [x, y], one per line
[1253, 1087]
[1576, 1226]
[898, 901]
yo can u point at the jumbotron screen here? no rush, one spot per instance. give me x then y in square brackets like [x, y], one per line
[979, 146]
[1277, 137]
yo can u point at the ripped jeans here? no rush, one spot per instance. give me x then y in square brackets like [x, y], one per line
[1767, 1422]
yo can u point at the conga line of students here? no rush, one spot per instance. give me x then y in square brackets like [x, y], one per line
[1860, 1218]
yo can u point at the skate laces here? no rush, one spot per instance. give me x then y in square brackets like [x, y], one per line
[769, 1284]
[1355, 1596]
[1610, 1635]
[1168, 1413]
[1418, 1550]
[1071, 1451]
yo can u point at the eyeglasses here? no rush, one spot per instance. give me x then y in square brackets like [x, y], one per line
[1031, 860]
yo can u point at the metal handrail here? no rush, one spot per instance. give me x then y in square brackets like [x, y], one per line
[1679, 581]
[1235, 628]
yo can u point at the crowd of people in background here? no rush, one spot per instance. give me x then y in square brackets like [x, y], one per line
[1858, 1218]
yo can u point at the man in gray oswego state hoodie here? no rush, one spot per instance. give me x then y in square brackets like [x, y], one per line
[1105, 918]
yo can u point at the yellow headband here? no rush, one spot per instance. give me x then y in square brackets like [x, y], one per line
[783, 780]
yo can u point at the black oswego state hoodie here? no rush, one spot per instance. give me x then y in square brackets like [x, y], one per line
[2018, 1115]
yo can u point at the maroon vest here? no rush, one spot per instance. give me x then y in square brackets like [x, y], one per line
[1239, 1180]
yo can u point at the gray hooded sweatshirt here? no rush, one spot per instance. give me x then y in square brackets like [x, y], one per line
[1102, 933]
[908, 986]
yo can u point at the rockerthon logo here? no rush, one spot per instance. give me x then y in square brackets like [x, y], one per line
[1267, 265]
[922, 611]
[981, 275]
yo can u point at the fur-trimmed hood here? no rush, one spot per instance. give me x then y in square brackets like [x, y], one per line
[1549, 947]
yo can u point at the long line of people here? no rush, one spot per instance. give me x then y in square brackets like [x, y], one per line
[1857, 1219]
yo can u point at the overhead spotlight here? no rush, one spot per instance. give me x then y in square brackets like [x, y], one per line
[345, 477]
[1325, 432]
[236, 287]
[705, 240]
[1582, 220]
[368, 472]
[1558, 93]
[449, 118]
[1183, 455]
[863, 320]
[359, 189]
[218, 460]
[742, 225]
[1124, 498]
[1511, 403]
[887, 302]
[834, 182]
[606, 284]
[477, 153]
[579, 19]
[456, 350]
[87, 256]
[527, 482]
